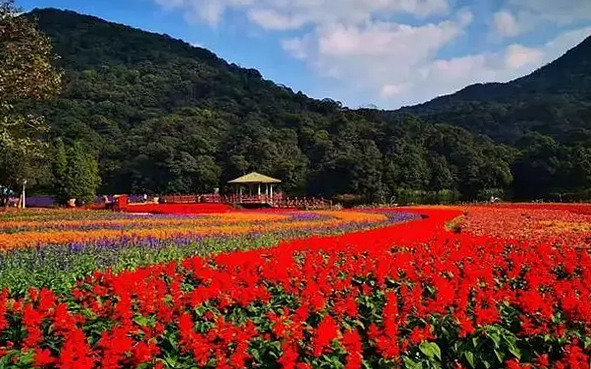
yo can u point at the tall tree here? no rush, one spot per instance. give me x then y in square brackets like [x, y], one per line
[26, 73]
[59, 169]
[82, 174]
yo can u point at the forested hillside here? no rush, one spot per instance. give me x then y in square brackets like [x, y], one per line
[163, 116]
[545, 115]
[555, 100]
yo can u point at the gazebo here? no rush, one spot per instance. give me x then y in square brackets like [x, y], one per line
[260, 189]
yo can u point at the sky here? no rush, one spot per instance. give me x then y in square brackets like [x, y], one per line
[382, 53]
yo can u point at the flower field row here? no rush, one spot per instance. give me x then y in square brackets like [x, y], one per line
[41, 250]
[17, 234]
[554, 223]
[412, 295]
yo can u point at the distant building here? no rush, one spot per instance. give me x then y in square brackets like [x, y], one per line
[255, 188]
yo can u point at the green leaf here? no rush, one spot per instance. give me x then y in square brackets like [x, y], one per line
[27, 358]
[500, 356]
[411, 364]
[437, 350]
[430, 349]
[514, 350]
[494, 336]
[469, 358]
[141, 320]
[427, 350]
[170, 361]
[359, 323]
[255, 354]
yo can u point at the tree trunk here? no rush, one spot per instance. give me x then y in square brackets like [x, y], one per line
[4, 202]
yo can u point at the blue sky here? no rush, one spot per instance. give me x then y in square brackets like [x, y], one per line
[387, 53]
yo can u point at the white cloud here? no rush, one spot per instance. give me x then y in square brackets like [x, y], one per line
[557, 11]
[388, 91]
[294, 14]
[506, 24]
[210, 12]
[271, 19]
[297, 47]
[565, 41]
[521, 16]
[400, 64]
[518, 56]
[386, 39]
[440, 77]
[375, 50]
[357, 42]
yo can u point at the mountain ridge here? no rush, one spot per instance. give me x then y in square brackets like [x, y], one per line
[560, 89]
[206, 54]
[581, 51]
[165, 116]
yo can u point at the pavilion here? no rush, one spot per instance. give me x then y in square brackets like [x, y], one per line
[260, 189]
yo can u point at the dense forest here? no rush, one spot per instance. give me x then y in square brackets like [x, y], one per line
[162, 116]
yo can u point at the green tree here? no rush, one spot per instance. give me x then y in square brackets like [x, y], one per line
[82, 174]
[407, 167]
[581, 167]
[59, 169]
[441, 175]
[26, 73]
[367, 180]
[538, 167]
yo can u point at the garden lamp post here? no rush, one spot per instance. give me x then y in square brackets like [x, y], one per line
[23, 193]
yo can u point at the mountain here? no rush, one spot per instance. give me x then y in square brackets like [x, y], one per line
[555, 100]
[164, 116]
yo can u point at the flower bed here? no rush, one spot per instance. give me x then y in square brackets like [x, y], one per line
[178, 208]
[411, 295]
[569, 225]
[47, 228]
[53, 249]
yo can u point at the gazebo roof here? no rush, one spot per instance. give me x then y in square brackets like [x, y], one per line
[254, 177]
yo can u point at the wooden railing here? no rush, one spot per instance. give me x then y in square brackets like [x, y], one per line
[253, 199]
[192, 199]
[304, 203]
[277, 200]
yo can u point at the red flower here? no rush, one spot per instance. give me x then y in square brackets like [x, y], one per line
[43, 358]
[418, 335]
[514, 364]
[326, 332]
[542, 361]
[32, 320]
[289, 358]
[352, 342]
[144, 353]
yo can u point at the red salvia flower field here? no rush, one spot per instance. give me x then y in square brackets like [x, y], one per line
[498, 289]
